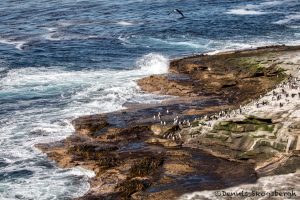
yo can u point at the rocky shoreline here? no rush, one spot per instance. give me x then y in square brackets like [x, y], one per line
[236, 119]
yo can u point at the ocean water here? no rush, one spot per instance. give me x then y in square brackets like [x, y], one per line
[63, 59]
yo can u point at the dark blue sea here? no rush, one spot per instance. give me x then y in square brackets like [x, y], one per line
[60, 59]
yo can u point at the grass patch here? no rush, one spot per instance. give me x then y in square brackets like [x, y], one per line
[248, 125]
[269, 128]
[250, 63]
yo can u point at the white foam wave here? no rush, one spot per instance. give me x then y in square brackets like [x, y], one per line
[55, 34]
[65, 187]
[288, 19]
[66, 23]
[124, 39]
[260, 8]
[18, 44]
[58, 36]
[271, 4]
[244, 11]
[83, 84]
[294, 26]
[51, 29]
[79, 171]
[280, 183]
[153, 63]
[125, 23]
[36, 121]
[2, 68]
[233, 46]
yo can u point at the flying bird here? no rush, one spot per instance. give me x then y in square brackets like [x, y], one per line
[178, 11]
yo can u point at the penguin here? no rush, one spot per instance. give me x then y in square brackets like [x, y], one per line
[178, 11]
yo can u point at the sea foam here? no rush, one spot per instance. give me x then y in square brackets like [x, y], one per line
[125, 23]
[242, 11]
[38, 118]
[153, 63]
[288, 19]
[18, 44]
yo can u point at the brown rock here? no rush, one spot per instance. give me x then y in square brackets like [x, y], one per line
[131, 159]
[89, 124]
[164, 142]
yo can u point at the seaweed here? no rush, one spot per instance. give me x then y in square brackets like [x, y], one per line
[146, 166]
[131, 186]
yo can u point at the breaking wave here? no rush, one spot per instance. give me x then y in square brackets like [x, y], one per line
[242, 11]
[153, 63]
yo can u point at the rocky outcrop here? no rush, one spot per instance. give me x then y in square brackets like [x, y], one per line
[230, 75]
[90, 124]
[136, 163]
[163, 151]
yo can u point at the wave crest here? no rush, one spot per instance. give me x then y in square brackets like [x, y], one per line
[242, 11]
[288, 19]
[153, 63]
[18, 44]
[125, 23]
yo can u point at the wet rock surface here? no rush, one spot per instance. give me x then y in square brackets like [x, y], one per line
[229, 75]
[138, 156]
[136, 164]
